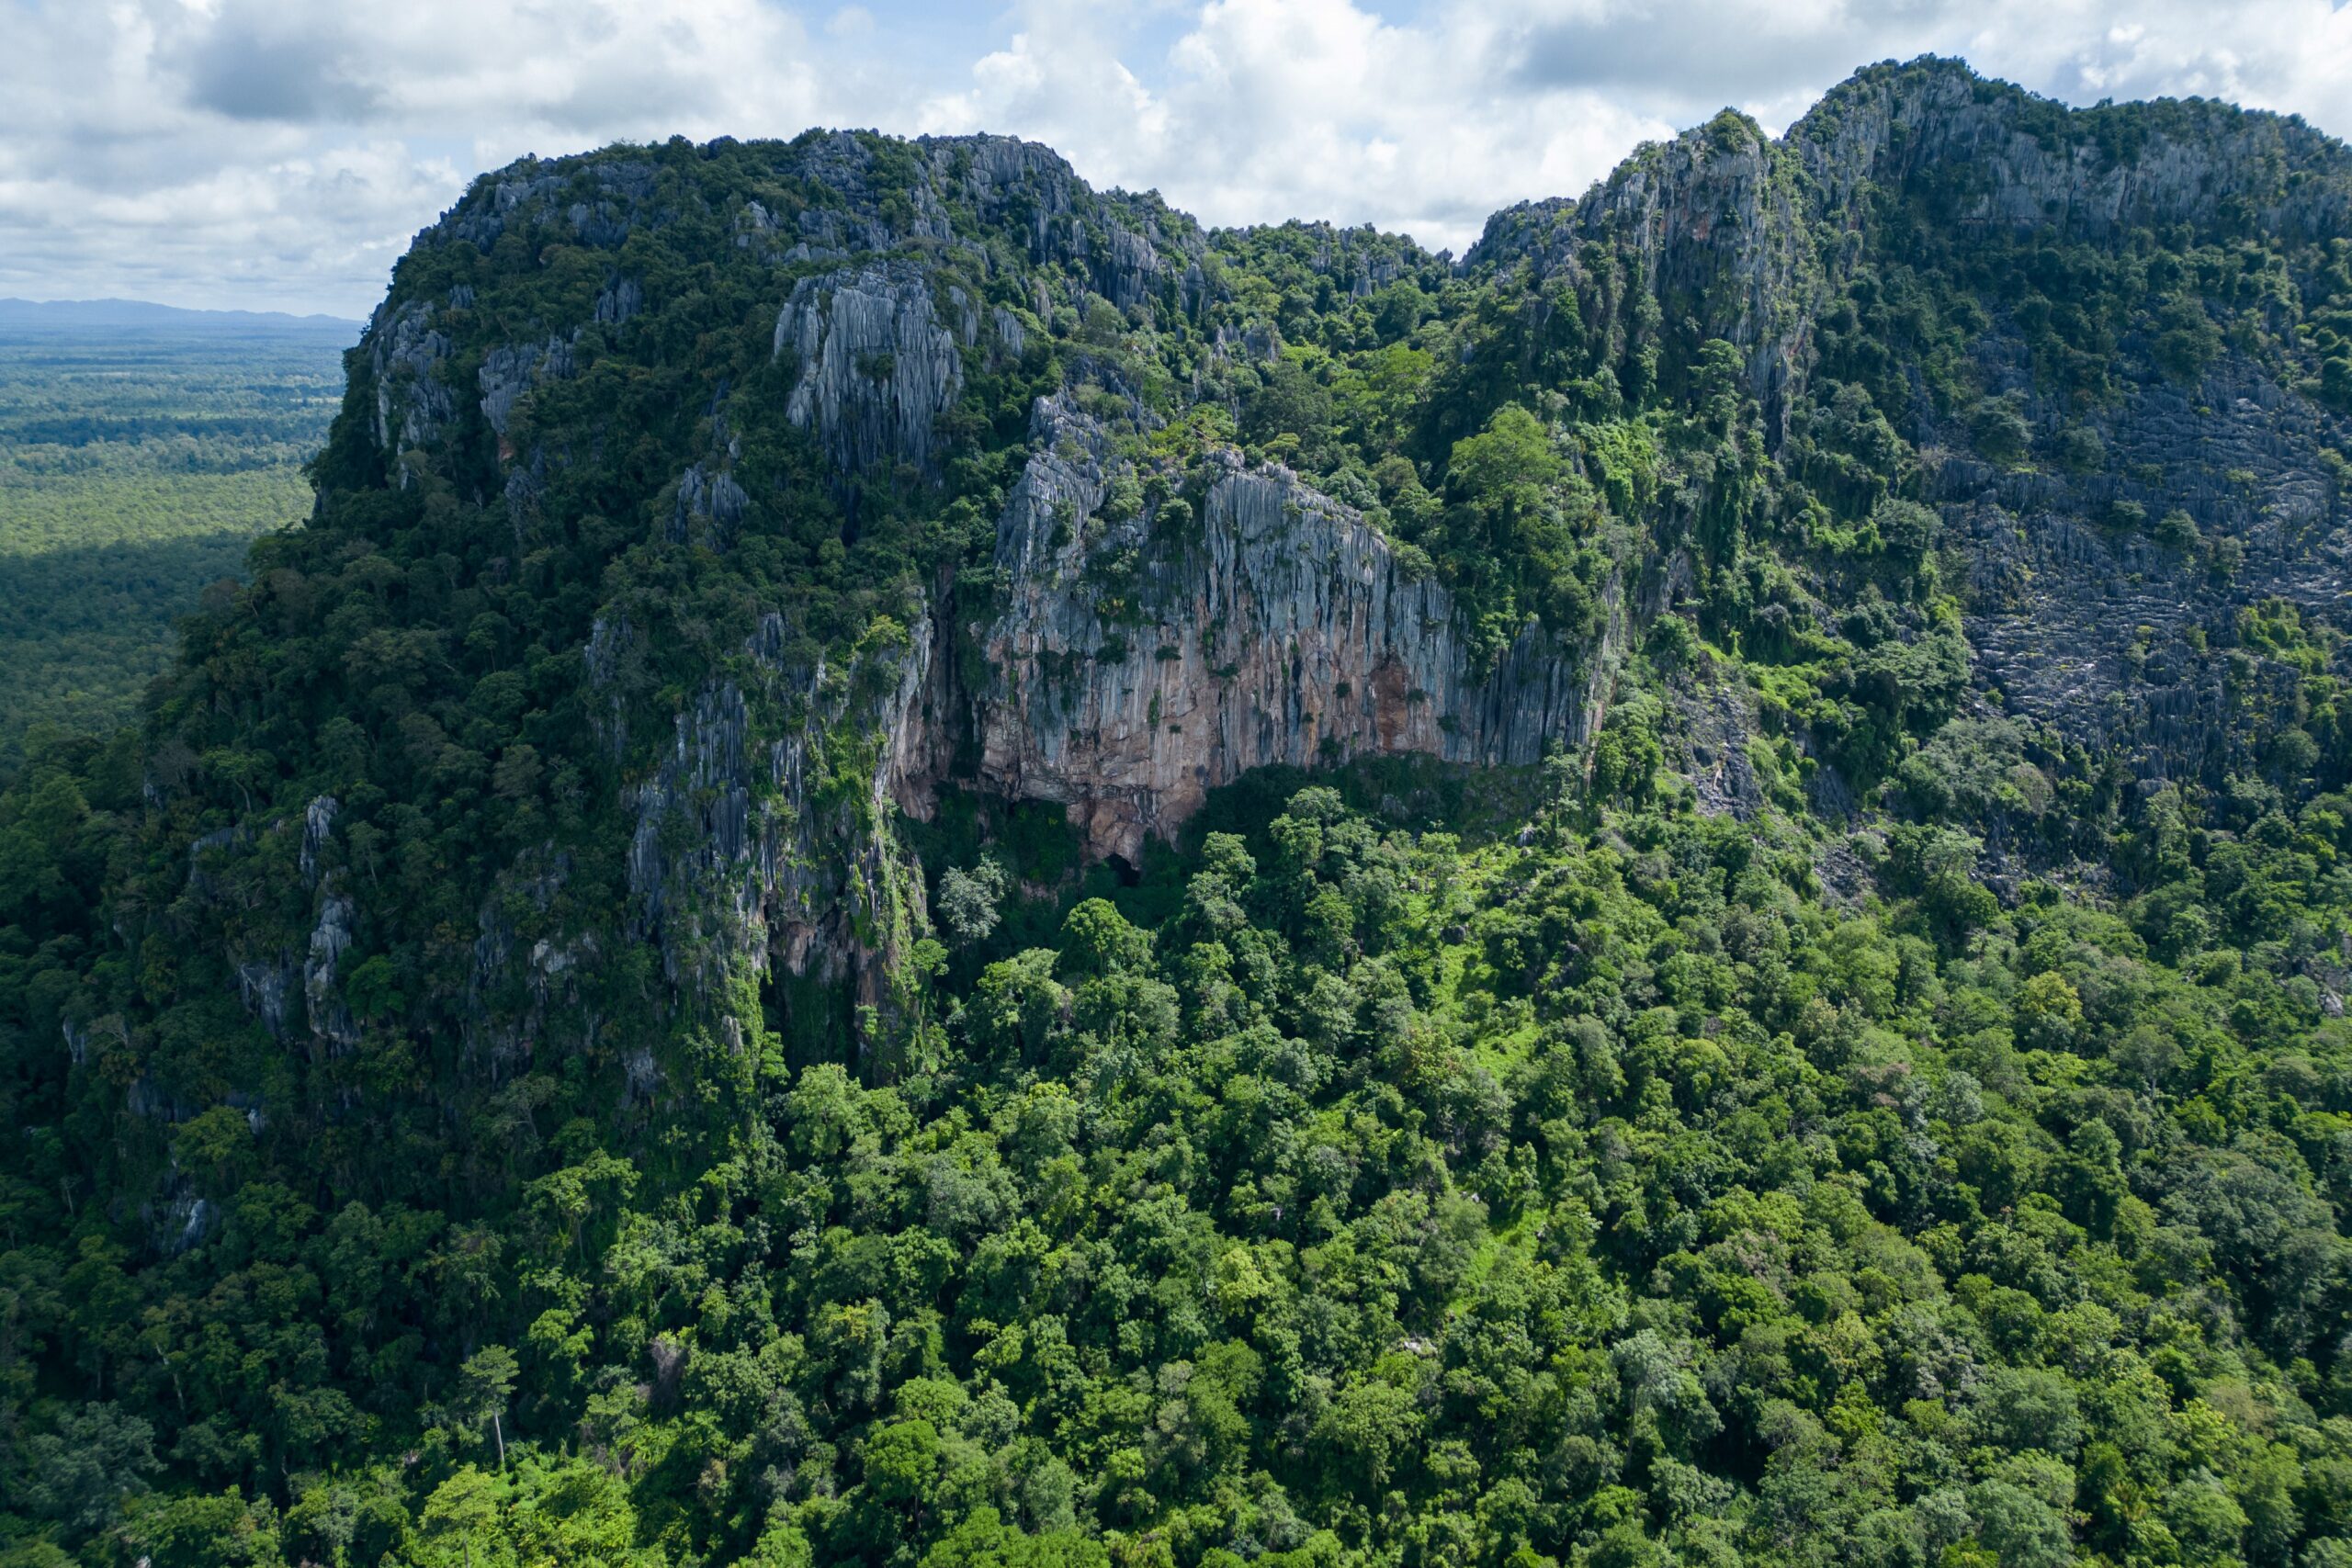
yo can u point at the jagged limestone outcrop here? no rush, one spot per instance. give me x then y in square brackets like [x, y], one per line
[1138, 666]
[1131, 669]
[2075, 619]
[1719, 215]
[878, 350]
[876, 367]
[512, 370]
[405, 352]
[766, 845]
[2106, 631]
[1127, 676]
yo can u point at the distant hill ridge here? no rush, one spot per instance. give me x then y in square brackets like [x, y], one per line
[22, 314]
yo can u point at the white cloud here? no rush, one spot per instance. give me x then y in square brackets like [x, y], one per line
[253, 154]
[282, 152]
[1263, 109]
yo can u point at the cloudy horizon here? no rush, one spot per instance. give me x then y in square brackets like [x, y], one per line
[264, 154]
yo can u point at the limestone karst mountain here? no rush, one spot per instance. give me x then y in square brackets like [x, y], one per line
[918, 863]
[961, 328]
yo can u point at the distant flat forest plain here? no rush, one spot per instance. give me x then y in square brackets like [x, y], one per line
[138, 457]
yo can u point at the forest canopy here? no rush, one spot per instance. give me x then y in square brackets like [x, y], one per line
[136, 466]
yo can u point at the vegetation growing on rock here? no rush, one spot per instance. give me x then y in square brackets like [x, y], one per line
[587, 1026]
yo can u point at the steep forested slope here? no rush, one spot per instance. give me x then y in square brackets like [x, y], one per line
[921, 866]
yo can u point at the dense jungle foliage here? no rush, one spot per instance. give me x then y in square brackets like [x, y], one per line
[136, 466]
[1939, 1161]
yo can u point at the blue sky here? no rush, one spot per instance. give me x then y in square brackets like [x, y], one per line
[277, 155]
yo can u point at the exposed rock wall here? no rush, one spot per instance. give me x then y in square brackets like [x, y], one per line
[508, 372]
[1719, 216]
[1130, 672]
[1134, 669]
[752, 852]
[876, 366]
[1718, 236]
[2092, 627]
[1720, 239]
[405, 350]
[1138, 661]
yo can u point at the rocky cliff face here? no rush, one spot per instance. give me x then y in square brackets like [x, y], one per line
[1140, 665]
[751, 851]
[1137, 664]
[2078, 616]
[1727, 223]
[876, 367]
[2112, 633]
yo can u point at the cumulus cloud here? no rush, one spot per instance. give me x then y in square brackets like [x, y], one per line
[280, 153]
[2284, 54]
[1265, 108]
[1262, 110]
[256, 154]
